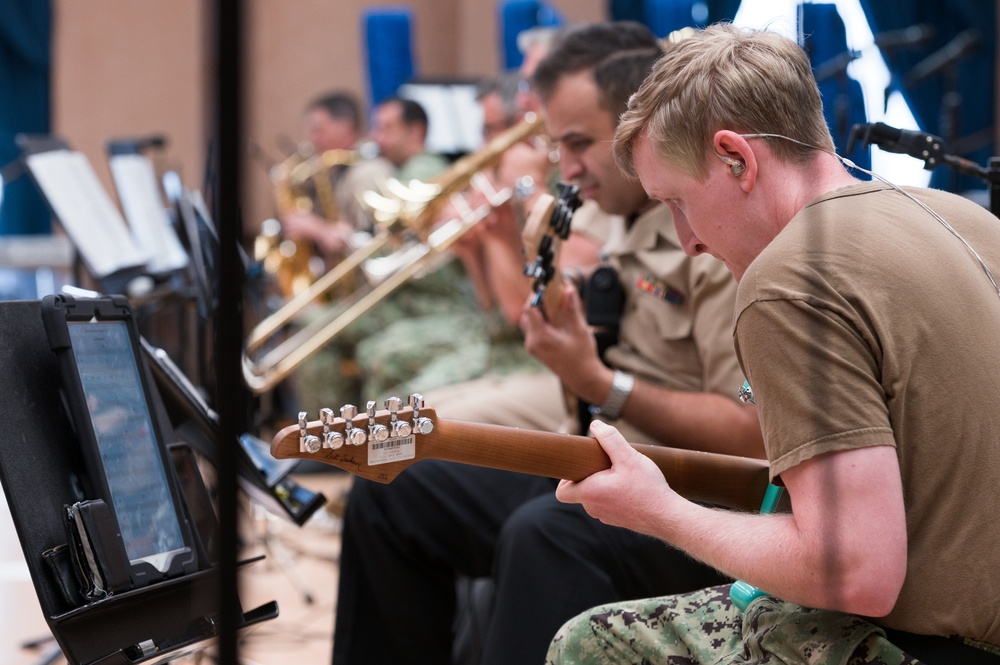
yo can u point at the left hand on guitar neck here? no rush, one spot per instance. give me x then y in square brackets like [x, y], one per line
[565, 344]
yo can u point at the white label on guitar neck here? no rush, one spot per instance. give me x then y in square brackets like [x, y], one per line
[391, 450]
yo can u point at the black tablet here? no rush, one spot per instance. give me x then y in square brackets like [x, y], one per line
[107, 396]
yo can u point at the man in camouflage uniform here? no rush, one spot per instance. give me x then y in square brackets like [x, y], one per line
[399, 128]
[866, 328]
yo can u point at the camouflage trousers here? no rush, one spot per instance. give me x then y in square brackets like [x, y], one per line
[704, 628]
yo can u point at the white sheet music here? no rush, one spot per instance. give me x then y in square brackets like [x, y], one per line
[85, 210]
[140, 199]
[455, 118]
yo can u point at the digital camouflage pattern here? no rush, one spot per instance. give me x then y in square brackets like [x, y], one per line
[704, 628]
[428, 334]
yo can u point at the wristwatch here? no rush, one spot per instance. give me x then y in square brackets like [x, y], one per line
[621, 388]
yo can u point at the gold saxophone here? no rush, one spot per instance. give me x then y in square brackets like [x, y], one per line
[295, 264]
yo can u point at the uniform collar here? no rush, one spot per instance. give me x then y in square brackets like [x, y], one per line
[646, 231]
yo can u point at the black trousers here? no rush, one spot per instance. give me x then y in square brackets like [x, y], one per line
[405, 543]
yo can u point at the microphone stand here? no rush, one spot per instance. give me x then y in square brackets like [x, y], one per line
[931, 150]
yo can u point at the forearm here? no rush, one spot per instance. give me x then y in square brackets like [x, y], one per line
[681, 419]
[777, 554]
[694, 420]
[767, 551]
[843, 547]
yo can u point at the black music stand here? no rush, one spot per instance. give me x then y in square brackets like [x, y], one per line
[39, 461]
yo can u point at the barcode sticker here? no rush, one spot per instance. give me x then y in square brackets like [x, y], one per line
[391, 450]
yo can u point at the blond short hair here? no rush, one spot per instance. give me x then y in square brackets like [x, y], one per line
[724, 77]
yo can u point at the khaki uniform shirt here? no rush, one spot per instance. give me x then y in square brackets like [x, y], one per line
[676, 329]
[589, 220]
[676, 332]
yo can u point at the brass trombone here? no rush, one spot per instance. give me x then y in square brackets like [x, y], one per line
[409, 208]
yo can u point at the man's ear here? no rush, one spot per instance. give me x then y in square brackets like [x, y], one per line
[738, 154]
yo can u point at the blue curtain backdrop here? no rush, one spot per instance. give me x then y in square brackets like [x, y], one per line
[25, 47]
[639, 10]
[388, 50]
[824, 37]
[515, 16]
[974, 75]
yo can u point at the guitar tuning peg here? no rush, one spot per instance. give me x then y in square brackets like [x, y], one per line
[376, 432]
[353, 435]
[420, 425]
[331, 439]
[308, 443]
[400, 428]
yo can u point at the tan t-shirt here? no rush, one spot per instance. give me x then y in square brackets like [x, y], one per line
[866, 323]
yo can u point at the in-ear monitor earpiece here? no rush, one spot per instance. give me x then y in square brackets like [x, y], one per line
[736, 167]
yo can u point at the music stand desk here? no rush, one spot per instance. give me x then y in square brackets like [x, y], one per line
[39, 460]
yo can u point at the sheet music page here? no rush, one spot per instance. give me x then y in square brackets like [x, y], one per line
[85, 210]
[468, 124]
[140, 199]
[455, 118]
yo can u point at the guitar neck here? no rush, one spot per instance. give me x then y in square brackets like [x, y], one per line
[725, 480]
[735, 482]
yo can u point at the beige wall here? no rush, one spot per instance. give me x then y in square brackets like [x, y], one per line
[121, 70]
[125, 68]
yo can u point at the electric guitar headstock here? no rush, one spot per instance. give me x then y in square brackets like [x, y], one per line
[377, 444]
[548, 224]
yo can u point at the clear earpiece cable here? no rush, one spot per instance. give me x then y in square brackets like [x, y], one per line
[849, 164]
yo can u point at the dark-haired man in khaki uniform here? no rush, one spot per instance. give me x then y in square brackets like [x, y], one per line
[673, 379]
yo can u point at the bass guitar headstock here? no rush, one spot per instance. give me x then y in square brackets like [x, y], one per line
[377, 445]
[548, 224]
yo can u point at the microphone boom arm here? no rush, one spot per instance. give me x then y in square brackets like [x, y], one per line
[930, 149]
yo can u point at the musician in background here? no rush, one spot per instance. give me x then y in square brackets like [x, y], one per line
[430, 333]
[497, 99]
[426, 328]
[672, 379]
[866, 322]
[493, 251]
[534, 44]
[334, 122]
[399, 129]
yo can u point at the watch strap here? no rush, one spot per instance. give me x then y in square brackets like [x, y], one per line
[621, 388]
